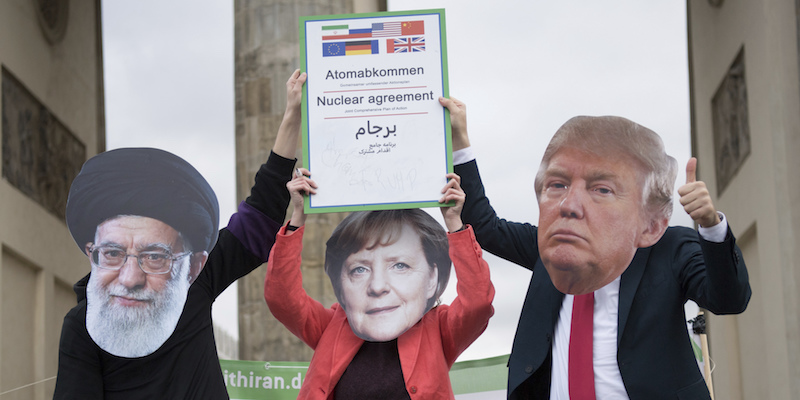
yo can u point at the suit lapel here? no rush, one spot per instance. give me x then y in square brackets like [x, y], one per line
[546, 293]
[533, 340]
[542, 305]
[628, 285]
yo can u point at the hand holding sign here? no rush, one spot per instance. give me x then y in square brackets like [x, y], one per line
[458, 121]
[453, 192]
[299, 186]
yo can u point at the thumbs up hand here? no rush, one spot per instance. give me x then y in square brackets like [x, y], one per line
[695, 198]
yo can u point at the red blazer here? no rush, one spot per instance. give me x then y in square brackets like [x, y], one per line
[427, 350]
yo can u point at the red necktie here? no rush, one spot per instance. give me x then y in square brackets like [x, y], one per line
[581, 371]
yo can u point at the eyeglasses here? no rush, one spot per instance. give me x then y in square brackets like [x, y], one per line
[151, 262]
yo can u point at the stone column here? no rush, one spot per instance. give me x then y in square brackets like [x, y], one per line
[266, 53]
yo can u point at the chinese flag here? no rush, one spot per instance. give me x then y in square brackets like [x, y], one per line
[413, 28]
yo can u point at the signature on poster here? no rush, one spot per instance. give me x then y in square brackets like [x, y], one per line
[394, 180]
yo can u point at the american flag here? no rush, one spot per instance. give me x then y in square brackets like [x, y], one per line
[384, 29]
[406, 45]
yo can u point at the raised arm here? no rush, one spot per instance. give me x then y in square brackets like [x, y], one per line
[468, 315]
[305, 317]
[269, 194]
[289, 131]
[515, 242]
[717, 278]
[246, 242]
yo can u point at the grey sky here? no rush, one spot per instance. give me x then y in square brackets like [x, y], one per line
[522, 68]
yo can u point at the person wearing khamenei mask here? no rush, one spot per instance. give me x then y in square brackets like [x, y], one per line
[148, 223]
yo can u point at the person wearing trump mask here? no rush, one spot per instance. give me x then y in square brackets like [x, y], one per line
[603, 316]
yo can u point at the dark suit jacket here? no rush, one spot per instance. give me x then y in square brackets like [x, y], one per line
[654, 351]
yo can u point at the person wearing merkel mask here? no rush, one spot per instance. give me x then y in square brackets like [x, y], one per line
[386, 337]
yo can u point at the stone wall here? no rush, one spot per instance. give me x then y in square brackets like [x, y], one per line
[53, 120]
[746, 132]
[266, 52]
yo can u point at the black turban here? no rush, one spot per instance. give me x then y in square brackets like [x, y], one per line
[145, 182]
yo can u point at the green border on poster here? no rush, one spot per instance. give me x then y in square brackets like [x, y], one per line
[445, 90]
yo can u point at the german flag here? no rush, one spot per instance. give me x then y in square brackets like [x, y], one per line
[361, 47]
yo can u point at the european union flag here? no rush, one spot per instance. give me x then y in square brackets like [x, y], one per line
[333, 49]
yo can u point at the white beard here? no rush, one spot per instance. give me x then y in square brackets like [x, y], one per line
[135, 331]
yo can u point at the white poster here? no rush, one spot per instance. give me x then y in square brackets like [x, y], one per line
[374, 133]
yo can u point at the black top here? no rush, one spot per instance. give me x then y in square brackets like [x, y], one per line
[374, 373]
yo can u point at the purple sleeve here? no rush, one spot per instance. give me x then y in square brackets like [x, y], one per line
[254, 229]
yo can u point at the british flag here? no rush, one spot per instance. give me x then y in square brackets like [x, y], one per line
[412, 44]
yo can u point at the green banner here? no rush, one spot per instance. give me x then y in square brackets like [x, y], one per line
[488, 374]
[258, 380]
[248, 380]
